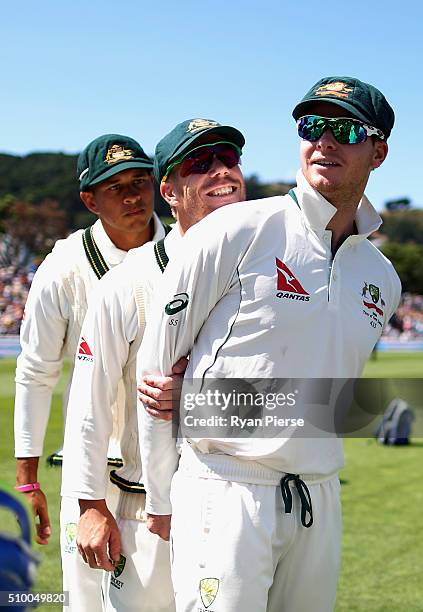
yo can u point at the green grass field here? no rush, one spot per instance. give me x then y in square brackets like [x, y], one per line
[382, 493]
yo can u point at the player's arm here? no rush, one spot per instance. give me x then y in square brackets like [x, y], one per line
[42, 335]
[160, 395]
[190, 288]
[106, 333]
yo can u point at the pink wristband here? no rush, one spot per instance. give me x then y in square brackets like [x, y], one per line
[33, 486]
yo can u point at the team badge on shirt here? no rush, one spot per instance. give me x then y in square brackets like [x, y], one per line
[288, 285]
[209, 588]
[373, 304]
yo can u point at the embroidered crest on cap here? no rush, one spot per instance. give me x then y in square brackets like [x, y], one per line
[118, 153]
[201, 124]
[337, 89]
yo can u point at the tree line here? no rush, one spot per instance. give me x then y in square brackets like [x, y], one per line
[39, 203]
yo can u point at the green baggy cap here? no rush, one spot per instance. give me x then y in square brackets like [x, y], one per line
[183, 138]
[107, 155]
[362, 100]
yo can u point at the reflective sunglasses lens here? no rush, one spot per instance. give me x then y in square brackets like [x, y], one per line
[345, 131]
[348, 131]
[311, 127]
[200, 162]
[196, 163]
[228, 155]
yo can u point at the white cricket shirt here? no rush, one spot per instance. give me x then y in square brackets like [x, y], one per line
[113, 334]
[265, 298]
[54, 312]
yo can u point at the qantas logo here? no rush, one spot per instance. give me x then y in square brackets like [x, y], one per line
[84, 351]
[288, 286]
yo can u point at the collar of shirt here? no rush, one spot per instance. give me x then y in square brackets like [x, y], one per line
[112, 255]
[159, 232]
[318, 211]
[172, 242]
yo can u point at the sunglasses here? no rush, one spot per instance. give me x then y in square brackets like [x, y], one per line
[344, 129]
[200, 159]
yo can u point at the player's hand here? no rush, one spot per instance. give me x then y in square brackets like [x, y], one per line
[98, 537]
[38, 502]
[159, 524]
[161, 394]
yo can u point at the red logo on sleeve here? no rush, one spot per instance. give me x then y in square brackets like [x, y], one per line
[83, 348]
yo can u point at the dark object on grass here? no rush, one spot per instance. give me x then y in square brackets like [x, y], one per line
[18, 562]
[395, 427]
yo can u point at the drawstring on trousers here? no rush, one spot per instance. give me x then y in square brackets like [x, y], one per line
[303, 492]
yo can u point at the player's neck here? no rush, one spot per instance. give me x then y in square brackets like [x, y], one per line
[342, 225]
[130, 240]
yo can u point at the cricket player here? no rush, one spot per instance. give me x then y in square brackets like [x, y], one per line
[116, 184]
[197, 166]
[268, 290]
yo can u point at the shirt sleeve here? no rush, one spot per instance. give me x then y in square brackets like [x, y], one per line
[42, 338]
[105, 339]
[191, 286]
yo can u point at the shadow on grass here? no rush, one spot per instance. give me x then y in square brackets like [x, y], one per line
[410, 446]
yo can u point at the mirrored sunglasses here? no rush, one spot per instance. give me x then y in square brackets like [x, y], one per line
[344, 129]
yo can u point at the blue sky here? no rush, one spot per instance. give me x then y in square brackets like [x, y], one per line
[71, 71]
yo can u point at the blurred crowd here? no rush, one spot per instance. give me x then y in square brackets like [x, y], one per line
[406, 324]
[14, 286]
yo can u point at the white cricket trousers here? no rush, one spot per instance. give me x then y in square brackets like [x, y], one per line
[142, 582]
[85, 584]
[234, 548]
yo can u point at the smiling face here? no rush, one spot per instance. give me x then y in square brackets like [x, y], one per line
[339, 172]
[196, 195]
[124, 203]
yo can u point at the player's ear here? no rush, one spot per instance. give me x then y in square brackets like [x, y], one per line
[167, 191]
[88, 198]
[380, 152]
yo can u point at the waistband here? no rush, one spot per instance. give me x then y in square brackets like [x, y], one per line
[131, 506]
[56, 460]
[126, 485]
[227, 467]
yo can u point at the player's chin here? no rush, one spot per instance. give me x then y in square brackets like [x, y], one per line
[137, 220]
[215, 202]
[325, 181]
